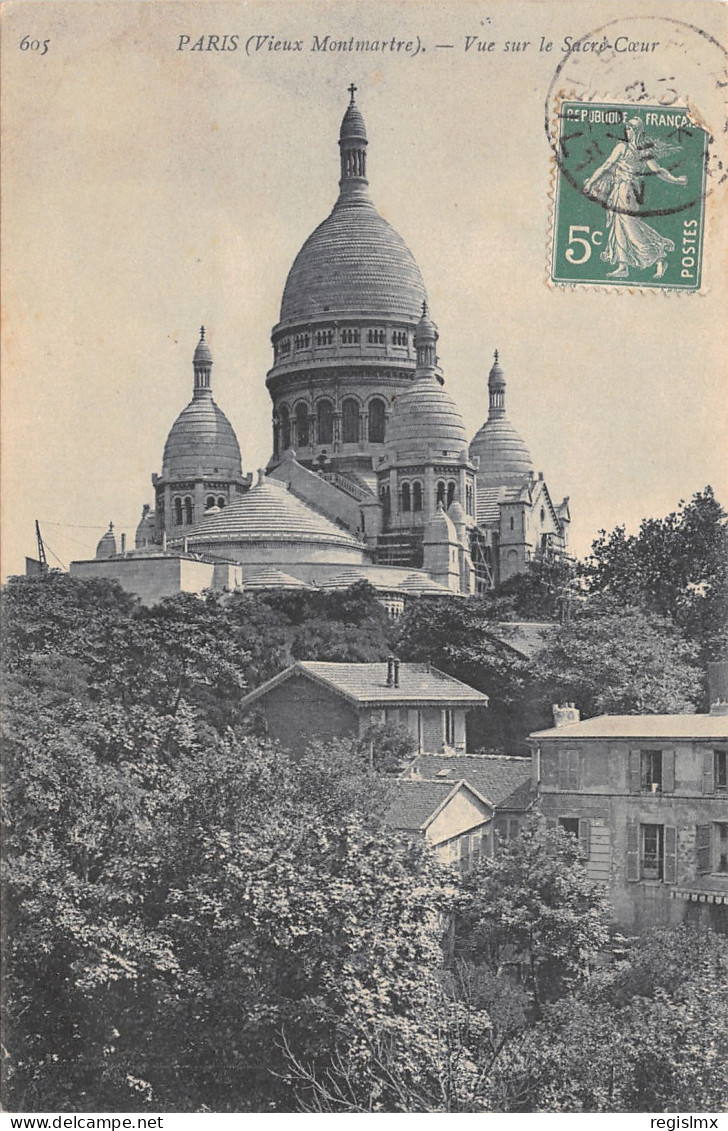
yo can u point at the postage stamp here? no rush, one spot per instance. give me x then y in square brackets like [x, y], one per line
[629, 202]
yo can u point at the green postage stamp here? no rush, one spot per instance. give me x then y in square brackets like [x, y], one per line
[629, 205]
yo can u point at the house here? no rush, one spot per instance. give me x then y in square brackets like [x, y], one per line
[325, 700]
[504, 782]
[451, 816]
[647, 796]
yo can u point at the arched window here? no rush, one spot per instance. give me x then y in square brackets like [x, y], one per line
[209, 502]
[178, 511]
[376, 421]
[285, 418]
[188, 511]
[406, 497]
[350, 421]
[385, 498]
[221, 502]
[325, 423]
[513, 523]
[543, 514]
[416, 496]
[301, 425]
[450, 493]
[441, 492]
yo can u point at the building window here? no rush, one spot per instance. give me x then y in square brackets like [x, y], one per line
[513, 524]
[350, 337]
[652, 771]
[580, 829]
[220, 502]
[543, 515]
[720, 837]
[324, 337]
[399, 337]
[406, 497]
[505, 828]
[385, 500]
[570, 825]
[569, 769]
[285, 420]
[449, 726]
[416, 497]
[325, 423]
[350, 421]
[302, 341]
[720, 770]
[209, 502]
[469, 498]
[652, 852]
[441, 492]
[284, 347]
[450, 494]
[377, 418]
[188, 511]
[302, 425]
[376, 337]
[178, 511]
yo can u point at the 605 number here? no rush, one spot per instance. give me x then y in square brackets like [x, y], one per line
[39, 45]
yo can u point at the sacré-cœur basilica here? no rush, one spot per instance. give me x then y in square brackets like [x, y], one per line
[371, 475]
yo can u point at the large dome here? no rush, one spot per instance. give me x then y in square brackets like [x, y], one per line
[202, 439]
[425, 418]
[354, 261]
[501, 453]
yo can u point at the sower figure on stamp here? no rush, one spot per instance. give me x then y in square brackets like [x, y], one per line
[617, 184]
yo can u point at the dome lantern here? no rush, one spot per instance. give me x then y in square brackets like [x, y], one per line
[202, 365]
[498, 447]
[353, 148]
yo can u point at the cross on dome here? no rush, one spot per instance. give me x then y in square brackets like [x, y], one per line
[352, 91]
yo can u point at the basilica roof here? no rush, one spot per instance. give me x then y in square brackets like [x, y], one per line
[354, 261]
[201, 438]
[268, 511]
[497, 447]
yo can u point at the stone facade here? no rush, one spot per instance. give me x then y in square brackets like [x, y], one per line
[646, 796]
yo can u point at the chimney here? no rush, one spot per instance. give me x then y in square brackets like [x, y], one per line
[565, 715]
[718, 687]
[390, 672]
[396, 673]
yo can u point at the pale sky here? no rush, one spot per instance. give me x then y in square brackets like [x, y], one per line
[148, 190]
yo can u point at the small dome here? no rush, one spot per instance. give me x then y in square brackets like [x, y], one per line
[202, 439]
[496, 377]
[202, 354]
[271, 513]
[425, 417]
[107, 546]
[457, 514]
[146, 529]
[501, 453]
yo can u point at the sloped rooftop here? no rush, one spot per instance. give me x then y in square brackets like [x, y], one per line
[503, 780]
[414, 803]
[642, 727]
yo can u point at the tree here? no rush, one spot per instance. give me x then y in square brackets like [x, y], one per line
[459, 637]
[676, 567]
[532, 905]
[649, 1034]
[616, 659]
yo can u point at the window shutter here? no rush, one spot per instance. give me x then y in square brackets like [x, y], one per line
[633, 851]
[584, 836]
[563, 769]
[574, 767]
[634, 771]
[668, 771]
[708, 771]
[551, 822]
[513, 828]
[670, 864]
[703, 846]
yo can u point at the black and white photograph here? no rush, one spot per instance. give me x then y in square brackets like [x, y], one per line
[364, 561]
